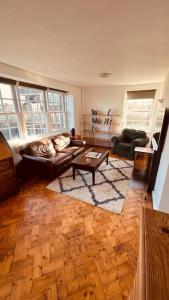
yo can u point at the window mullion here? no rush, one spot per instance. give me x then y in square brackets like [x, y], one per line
[21, 115]
[9, 128]
[48, 113]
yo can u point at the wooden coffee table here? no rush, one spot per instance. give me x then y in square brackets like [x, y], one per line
[80, 162]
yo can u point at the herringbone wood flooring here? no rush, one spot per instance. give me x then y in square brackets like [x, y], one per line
[54, 247]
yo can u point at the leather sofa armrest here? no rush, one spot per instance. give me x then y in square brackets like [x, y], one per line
[37, 159]
[36, 165]
[118, 139]
[77, 143]
[140, 142]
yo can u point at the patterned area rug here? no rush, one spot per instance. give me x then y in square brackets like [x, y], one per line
[110, 189]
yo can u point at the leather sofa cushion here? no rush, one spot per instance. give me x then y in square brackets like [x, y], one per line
[74, 150]
[60, 142]
[43, 148]
[60, 159]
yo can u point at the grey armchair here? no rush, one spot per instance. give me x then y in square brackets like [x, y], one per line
[125, 143]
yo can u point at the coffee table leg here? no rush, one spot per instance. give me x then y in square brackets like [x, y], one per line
[107, 159]
[73, 173]
[93, 177]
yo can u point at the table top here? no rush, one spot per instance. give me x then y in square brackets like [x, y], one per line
[144, 150]
[80, 160]
[155, 241]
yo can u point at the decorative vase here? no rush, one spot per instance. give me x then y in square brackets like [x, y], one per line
[73, 132]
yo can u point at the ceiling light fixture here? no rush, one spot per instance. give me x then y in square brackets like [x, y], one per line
[104, 74]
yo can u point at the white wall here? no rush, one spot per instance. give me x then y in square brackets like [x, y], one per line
[9, 71]
[161, 189]
[103, 98]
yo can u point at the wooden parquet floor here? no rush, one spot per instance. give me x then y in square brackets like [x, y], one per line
[54, 247]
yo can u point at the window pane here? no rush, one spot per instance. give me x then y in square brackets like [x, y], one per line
[6, 133]
[57, 121]
[3, 121]
[6, 91]
[15, 133]
[32, 100]
[139, 104]
[13, 121]
[1, 108]
[138, 114]
[8, 105]
[55, 101]
[36, 123]
[7, 101]
[9, 125]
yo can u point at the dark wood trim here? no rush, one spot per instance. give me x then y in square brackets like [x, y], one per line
[56, 90]
[155, 160]
[31, 85]
[7, 80]
[164, 130]
[28, 84]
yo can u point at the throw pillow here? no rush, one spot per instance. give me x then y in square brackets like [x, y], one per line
[49, 143]
[60, 142]
[43, 148]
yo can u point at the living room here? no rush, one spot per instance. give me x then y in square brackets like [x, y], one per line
[84, 144]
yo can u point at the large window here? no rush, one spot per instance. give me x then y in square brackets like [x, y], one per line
[33, 107]
[56, 106]
[30, 110]
[159, 116]
[138, 110]
[9, 116]
[138, 114]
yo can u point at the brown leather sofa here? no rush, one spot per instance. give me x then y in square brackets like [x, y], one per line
[47, 158]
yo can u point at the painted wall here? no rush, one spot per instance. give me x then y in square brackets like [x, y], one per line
[9, 71]
[103, 98]
[161, 189]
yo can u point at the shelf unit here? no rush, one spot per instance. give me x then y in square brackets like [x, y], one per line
[100, 133]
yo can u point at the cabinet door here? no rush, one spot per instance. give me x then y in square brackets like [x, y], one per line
[7, 178]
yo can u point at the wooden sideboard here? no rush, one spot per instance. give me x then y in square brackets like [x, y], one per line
[8, 182]
[152, 276]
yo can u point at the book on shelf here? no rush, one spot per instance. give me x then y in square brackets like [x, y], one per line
[93, 154]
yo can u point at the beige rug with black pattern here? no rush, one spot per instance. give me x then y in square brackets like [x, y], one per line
[109, 191]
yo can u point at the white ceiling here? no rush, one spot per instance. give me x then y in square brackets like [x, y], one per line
[74, 40]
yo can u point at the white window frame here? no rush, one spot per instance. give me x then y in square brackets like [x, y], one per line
[63, 112]
[125, 112]
[16, 113]
[21, 114]
[25, 114]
